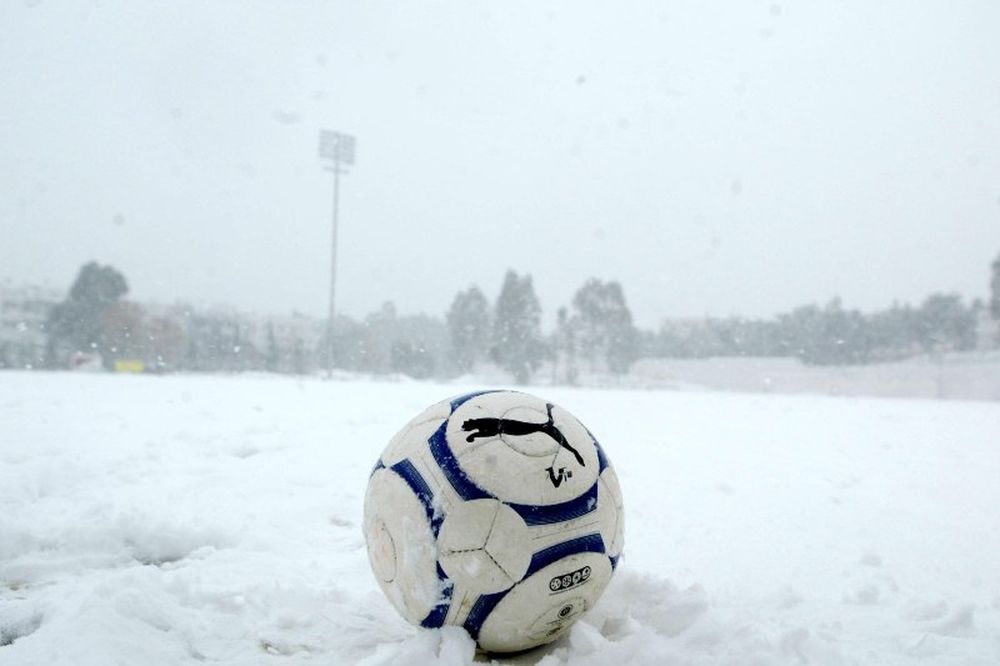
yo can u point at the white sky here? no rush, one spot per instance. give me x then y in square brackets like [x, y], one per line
[715, 157]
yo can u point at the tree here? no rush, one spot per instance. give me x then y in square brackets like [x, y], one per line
[123, 333]
[469, 325]
[166, 342]
[298, 356]
[893, 333]
[387, 342]
[349, 345]
[77, 324]
[428, 341]
[564, 348]
[379, 333]
[604, 325]
[214, 342]
[803, 329]
[272, 355]
[827, 336]
[995, 289]
[517, 338]
[944, 323]
[412, 360]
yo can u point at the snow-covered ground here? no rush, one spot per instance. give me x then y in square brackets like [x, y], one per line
[174, 520]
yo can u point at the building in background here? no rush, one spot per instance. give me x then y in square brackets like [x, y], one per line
[24, 311]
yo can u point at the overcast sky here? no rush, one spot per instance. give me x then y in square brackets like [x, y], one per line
[716, 158]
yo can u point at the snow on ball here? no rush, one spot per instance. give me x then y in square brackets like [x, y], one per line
[495, 511]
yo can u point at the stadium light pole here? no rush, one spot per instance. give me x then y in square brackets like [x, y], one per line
[337, 149]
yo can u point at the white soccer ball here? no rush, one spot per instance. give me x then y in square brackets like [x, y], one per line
[497, 512]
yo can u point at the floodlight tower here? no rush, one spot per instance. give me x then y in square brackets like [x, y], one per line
[338, 149]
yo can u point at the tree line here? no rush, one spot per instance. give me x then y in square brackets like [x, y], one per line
[593, 333]
[829, 334]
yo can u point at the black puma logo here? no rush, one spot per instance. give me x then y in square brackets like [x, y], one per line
[491, 427]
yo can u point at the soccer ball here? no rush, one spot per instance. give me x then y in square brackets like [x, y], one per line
[495, 511]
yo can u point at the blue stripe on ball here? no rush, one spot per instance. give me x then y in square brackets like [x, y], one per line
[435, 619]
[602, 459]
[405, 469]
[438, 614]
[588, 543]
[462, 399]
[558, 513]
[448, 463]
[481, 610]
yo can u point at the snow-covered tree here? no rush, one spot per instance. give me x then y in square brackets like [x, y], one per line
[78, 323]
[995, 289]
[564, 344]
[469, 326]
[517, 337]
[603, 325]
[944, 321]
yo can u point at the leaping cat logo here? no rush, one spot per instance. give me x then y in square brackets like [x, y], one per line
[491, 427]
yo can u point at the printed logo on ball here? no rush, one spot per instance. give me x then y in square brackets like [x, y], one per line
[557, 479]
[569, 580]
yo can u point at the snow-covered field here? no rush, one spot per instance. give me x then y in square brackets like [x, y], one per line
[172, 520]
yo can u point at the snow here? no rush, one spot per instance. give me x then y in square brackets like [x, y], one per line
[190, 519]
